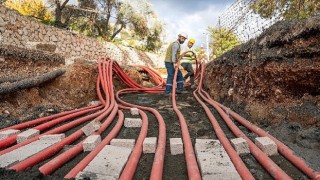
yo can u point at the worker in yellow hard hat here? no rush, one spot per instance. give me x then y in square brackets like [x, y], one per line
[186, 61]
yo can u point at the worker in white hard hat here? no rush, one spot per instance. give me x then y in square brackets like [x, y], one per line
[173, 52]
[187, 60]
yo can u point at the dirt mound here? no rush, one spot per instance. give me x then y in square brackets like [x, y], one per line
[273, 78]
[74, 89]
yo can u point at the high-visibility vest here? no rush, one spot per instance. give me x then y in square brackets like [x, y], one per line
[185, 59]
[169, 52]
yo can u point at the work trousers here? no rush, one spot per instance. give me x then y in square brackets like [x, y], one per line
[170, 71]
[189, 69]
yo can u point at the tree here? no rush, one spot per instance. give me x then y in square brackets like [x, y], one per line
[108, 18]
[223, 40]
[288, 9]
[59, 6]
[33, 8]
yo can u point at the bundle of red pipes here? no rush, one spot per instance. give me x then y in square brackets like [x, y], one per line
[109, 108]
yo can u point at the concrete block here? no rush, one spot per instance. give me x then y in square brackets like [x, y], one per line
[150, 145]
[24, 152]
[50, 137]
[176, 146]
[127, 143]
[91, 142]
[91, 127]
[7, 133]
[134, 111]
[109, 162]
[132, 122]
[209, 146]
[267, 145]
[214, 162]
[28, 134]
[240, 145]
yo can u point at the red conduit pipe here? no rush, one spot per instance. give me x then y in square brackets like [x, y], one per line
[12, 139]
[57, 162]
[235, 158]
[192, 166]
[50, 124]
[60, 160]
[283, 149]
[43, 119]
[57, 130]
[157, 166]
[131, 165]
[85, 161]
[154, 75]
[33, 160]
[273, 169]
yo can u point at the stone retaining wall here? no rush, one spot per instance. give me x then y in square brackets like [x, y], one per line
[25, 32]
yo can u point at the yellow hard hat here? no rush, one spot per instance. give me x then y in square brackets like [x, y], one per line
[192, 40]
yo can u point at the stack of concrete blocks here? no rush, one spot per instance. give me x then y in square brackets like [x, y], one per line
[176, 146]
[214, 161]
[268, 146]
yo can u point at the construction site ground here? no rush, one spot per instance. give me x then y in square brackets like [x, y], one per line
[76, 88]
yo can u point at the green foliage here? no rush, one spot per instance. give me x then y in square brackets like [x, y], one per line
[134, 20]
[223, 40]
[288, 9]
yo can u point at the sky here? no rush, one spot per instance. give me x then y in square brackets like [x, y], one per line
[190, 16]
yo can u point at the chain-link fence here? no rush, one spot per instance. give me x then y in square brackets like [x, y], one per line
[243, 22]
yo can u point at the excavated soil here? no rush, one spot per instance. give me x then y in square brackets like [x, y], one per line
[275, 77]
[263, 81]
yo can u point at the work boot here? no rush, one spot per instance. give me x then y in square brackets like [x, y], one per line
[181, 92]
[167, 94]
[193, 86]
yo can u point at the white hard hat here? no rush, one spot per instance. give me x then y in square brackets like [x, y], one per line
[184, 35]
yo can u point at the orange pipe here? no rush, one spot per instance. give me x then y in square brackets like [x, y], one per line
[283, 149]
[131, 165]
[235, 158]
[43, 119]
[273, 169]
[192, 166]
[85, 161]
[53, 131]
[158, 162]
[60, 160]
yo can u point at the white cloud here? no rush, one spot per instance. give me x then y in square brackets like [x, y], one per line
[195, 23]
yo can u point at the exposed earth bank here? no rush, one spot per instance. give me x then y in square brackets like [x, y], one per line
[274, 79]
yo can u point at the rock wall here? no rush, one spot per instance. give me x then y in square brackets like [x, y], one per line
[273, 78]
[25, 32]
